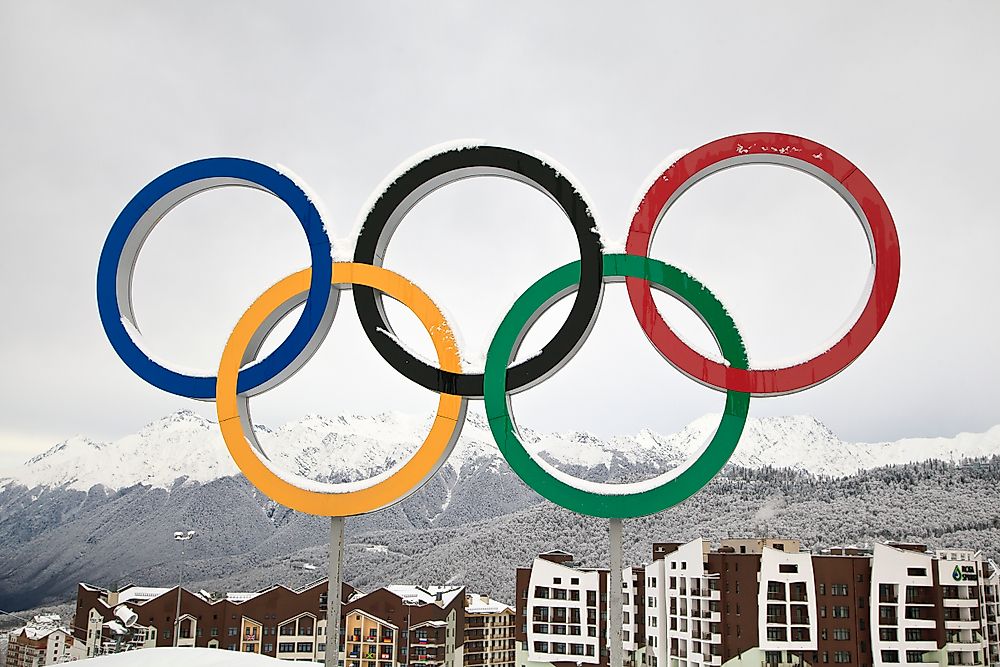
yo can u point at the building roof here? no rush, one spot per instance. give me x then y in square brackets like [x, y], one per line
[484, 604]
[139, 593]
[39, 632]
[426, 595]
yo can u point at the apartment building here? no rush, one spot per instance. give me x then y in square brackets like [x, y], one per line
[489, 632]
[562, 612]
[768, 602]
[429, 622]
[388, 627]
[277, 621]
[44, 641]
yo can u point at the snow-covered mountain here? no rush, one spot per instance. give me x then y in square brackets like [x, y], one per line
[187, 447]
[105, 511]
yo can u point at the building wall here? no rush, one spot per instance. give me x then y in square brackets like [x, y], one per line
[786, 602]
[738, 573]
[843, 581]
[489, 637]
[905, 610]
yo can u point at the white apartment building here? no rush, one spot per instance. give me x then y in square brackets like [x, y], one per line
[683, 621]
[787, 596]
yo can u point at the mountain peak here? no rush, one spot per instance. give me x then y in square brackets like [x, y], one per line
[185, 445]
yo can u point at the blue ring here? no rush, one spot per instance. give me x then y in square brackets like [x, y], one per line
[305, 329]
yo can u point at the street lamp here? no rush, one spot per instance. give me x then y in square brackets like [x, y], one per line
[180, 536]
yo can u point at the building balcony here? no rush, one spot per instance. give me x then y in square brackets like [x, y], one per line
[960, 602]
[961, 625]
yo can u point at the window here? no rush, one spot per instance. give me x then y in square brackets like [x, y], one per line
[822, 611]
[575, 581]
[286, 647]
[838, 589]
[215, 632]
[233, 632]
[788, 568]
[268, 648]
[822, 589]
[841, 634]
[841, 656]
[914, 572]
[304, 647]
[775, 590]
[574, 595]
[912, 634]
[841, 612]
[541, 592]
[890, 656]
[556, 580]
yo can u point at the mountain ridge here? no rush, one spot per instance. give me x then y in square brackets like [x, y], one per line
[186, 447]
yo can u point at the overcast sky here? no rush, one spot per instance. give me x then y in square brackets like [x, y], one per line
[99, 98]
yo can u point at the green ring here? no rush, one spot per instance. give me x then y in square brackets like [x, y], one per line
[614, 504]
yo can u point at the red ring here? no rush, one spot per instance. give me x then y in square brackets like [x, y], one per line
[821, 162]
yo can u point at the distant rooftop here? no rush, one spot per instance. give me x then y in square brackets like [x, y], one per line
[484, 604]
[426, 595]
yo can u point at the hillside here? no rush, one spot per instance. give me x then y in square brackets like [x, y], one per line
[108, 519]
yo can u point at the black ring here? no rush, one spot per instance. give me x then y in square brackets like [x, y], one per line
[447, 167]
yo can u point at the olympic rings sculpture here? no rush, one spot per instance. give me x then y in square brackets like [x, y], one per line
[242, 375]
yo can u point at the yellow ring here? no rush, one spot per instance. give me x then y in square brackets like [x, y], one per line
[408, 478]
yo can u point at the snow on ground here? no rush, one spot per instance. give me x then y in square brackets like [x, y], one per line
[188, 656]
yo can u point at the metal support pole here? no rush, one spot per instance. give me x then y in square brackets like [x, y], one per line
[333, 601]
[616, 608]
[177, 616]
